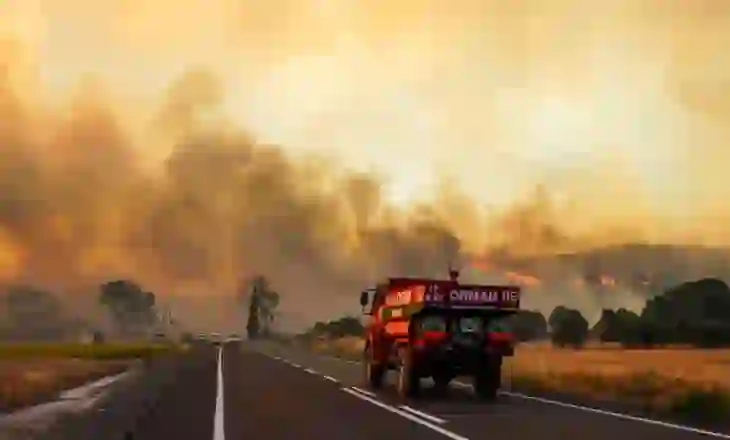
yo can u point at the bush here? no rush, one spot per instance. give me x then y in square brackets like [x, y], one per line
[346, 326]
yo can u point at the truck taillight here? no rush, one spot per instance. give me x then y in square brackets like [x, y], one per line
[500, 337]
[501, 343]
[430, 337]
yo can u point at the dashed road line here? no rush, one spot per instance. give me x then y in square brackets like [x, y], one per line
[308, 370]
[369, 393]
[426, 416]
[412, 417]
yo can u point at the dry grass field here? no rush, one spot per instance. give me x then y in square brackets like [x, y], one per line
[28, 381]
[32, 373]
[689, 382]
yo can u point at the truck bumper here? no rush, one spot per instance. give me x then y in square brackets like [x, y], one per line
[451, 360]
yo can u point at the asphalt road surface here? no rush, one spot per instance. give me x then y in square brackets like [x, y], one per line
[252, 392]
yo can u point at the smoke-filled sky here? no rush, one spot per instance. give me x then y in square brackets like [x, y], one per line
[137, 136]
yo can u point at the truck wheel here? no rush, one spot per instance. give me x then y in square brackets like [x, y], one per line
[409, 384]
[441, 383]
[488, 380]
[374, 373]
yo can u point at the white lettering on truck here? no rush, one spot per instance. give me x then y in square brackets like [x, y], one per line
[483, 296]
[474, 296]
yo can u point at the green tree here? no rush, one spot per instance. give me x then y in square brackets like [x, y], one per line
[253, 325]
[556, 316]
[263, 302]
[568, 328]
[528, 325]
[33, 314]
[131, 308]
[620, 325]
[695, 312]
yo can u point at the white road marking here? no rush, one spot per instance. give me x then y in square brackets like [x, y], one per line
[426, 416]
[339, 359]
[308, 370]
[369, 393]
[218, 433]
[92, 388]
[411, 417]
[619, 415]
[603, 412]
[295, 365]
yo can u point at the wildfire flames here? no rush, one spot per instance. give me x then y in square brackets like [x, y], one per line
[524, 279]
[607, 280]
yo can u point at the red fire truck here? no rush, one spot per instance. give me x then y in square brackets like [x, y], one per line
[438, 329]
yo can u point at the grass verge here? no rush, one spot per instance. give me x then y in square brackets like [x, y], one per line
[34, 373]
[85, 351]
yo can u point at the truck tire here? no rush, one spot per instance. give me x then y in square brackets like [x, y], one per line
[441, 382]
[409, 384]
[374, 373]
[487, 380]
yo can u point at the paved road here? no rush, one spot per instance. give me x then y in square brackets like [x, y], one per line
[275, 393]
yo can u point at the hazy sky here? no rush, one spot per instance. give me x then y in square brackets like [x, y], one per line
[496, 94]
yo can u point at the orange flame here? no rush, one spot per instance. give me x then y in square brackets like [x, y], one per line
[527, 280]
[608, 281]
[11, 257]
[482, 265]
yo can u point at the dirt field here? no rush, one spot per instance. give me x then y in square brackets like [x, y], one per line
[33, 373]
[680, 380]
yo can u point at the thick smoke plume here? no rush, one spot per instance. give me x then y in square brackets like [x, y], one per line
[78, 206]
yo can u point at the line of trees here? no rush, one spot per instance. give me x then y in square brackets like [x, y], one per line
[29, 313]
[695, 313]
[337, 328]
